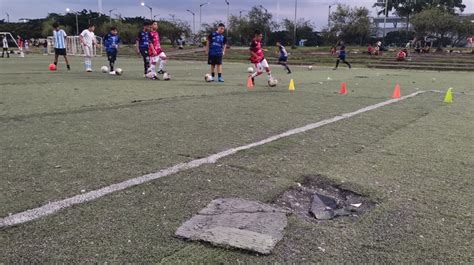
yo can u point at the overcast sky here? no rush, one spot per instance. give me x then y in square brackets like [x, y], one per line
[314, 10]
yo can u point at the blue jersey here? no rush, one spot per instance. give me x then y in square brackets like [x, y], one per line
[283, 52]
[144, 39]
[111, 42]
[342, 51]
[217, 43]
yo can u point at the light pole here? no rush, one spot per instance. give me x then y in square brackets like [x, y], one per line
[110, 15]
[8, 17]
[228, 9]
[194, 20]
[329, 16]
[77, 20]
[385, 21]
[294, 30]
[200, 14]
[149, 7]
[265, 29]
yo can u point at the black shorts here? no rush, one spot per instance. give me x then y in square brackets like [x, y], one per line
[112, 56]
[214, 60]
[60, 52]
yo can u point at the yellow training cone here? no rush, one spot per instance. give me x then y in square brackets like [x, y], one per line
[292, 85]
[449, 96]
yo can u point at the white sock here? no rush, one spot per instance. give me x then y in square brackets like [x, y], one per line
[163, 65]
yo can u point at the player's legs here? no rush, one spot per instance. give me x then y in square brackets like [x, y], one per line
[337, 63]
[67, 62]
[163, 61]
[146, 59]
[88, 58]
[284, 62]
[153, 61]
[346, 62]
[265, 66]
[112, 57]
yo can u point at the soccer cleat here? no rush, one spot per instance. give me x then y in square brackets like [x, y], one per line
[88, 70]
[69, 68]
[253, 81]
[161, 72]
[220, 79]
[212, 79]
[112, 73]
[155, 78]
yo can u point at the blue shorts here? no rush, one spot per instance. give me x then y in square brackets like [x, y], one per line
[342, 57]
[214, 60]
[283, 59]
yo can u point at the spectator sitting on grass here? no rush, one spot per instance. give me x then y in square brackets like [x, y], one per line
[370, 49]
[333, 50]
[401, 56]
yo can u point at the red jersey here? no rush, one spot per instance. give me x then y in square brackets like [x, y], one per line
[256, 47]
[155, 40]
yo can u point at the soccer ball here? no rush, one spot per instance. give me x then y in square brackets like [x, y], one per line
[166, 77]
[310, 67]
[208, 78]
[52, 67]
[250, 70]
[118, 71]
[272, 82]
[104, 69]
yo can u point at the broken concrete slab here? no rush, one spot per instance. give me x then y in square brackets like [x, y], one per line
[238, 223]
[322, 207]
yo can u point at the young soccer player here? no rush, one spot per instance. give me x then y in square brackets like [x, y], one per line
[88, 42]
[111, 43]
[5, 46]
[21, 43]
[215, 49]
[156, 53]
[257, 57]
[143, 45]
[59, 37]
[283, 59]
[342, 56]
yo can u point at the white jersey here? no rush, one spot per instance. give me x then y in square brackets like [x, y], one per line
[5, 42]
[59, 39]
[89, 37]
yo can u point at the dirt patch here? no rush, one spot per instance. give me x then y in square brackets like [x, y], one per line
[305, 199]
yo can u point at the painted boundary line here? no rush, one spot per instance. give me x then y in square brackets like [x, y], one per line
[53, 207]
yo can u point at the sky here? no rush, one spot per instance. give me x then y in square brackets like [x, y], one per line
[314, 10]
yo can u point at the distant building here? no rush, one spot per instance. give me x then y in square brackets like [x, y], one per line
[392, 24]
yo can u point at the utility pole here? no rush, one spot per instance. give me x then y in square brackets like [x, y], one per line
[77, 19]
[294, 30]
[194, 20]
[150, 8]
[8, 17]
[385, 21]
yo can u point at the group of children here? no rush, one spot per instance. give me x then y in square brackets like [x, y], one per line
[147, 43]
[154, 59]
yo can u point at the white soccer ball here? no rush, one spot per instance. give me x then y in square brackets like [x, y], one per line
[118, 71]
[250, 70]
[310, 67]
[208, 78]
[104, 69]
[272, 82]
[166, 77]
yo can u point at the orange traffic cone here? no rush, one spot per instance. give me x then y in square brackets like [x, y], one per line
[396, 92]
[343, 88]
[249, 83]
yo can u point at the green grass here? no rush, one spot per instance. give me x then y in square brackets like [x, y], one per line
[65, 132]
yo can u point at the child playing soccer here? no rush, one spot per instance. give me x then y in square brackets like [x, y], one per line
[143, 45]
[59, 37]
[88, 42]
[257, 57]
[5, 46]
[112, 42]
[215, 49]
[156, 53]
[283, 59]
[342, 56]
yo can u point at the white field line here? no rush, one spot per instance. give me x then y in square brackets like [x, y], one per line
[50, 208]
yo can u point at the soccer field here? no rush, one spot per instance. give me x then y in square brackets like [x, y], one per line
[69, 133]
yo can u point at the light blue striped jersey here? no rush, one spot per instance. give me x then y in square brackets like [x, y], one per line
[59, 39]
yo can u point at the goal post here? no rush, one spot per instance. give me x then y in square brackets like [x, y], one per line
[74, 47]
[11, 40]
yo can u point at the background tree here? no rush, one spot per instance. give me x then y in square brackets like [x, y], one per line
[349, 24]
[435, 23]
